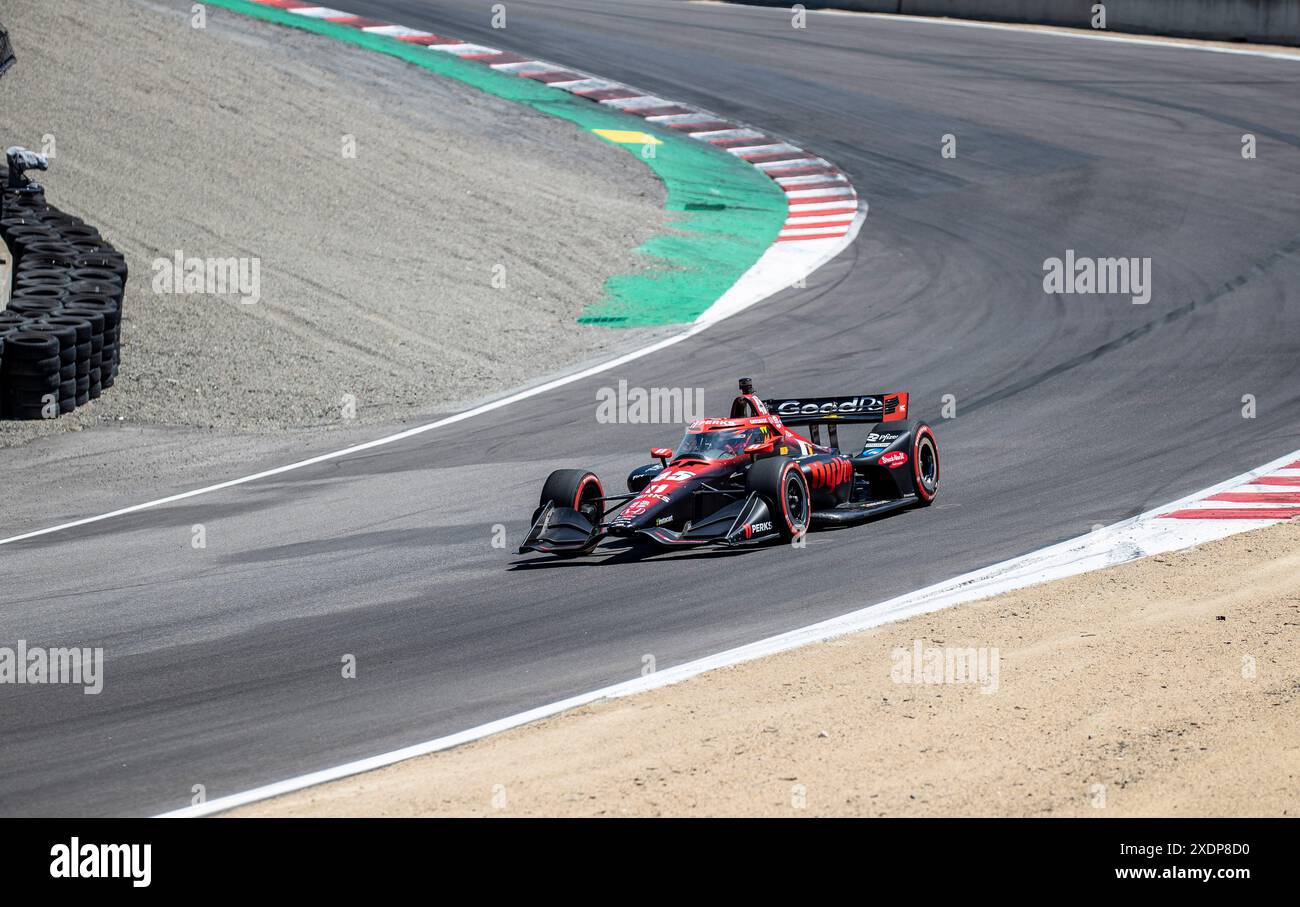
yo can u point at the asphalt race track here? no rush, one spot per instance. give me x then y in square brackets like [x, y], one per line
[223, 664]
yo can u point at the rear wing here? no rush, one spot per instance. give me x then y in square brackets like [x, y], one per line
[830, 410]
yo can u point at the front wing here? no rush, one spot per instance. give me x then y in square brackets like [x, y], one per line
[565, 531]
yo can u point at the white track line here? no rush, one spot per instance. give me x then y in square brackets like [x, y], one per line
[1127, 540]
[1114, 544]
[777, 269]
[380, 442]
[1029, 28]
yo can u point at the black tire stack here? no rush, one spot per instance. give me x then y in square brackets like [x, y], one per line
[60, 334]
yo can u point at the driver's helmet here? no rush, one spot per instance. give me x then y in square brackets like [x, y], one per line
[733, 443]
[740, 440]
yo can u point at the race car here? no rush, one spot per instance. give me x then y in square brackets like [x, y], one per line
[749, 479]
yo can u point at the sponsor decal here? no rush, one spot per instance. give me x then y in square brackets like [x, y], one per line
[752, 529]
[849, 407]
[656, 492]
[894, 460]
[830, 474]
[662, 520]
[872, 451]
[883, 437]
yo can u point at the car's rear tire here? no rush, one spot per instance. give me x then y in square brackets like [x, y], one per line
[781, 482]
[574, 488]
[925, 464]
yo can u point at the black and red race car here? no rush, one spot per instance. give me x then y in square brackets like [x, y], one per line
[749, 478]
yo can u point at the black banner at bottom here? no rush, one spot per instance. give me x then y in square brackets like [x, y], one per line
[337, 856]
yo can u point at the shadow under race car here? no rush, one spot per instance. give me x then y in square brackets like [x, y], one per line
[749, 479]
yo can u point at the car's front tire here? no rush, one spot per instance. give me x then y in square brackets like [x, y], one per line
[575, 488]
[781, 482]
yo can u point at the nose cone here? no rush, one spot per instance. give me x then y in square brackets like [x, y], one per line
[666, 496]
[643, 510]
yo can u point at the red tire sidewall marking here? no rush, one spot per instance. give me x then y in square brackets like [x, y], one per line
[577, 499]
[916, 464]
[785, 499]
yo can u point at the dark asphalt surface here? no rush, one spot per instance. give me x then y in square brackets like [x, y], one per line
[223, 664]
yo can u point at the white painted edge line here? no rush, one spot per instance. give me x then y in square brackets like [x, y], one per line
[776, 270]
[637, 103]
[1030, 28]
[799, 208]
[1127, 540]
[793, 162]
[811, 180]
[841, 192]
[717, 134]
[1059, 32]
[579, 86]
[320, 12]
[781, 265]
[668, 119]
[380, 442]
[465, 49]
[396, 31]
[520, 68]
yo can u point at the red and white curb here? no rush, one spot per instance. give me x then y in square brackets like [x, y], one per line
[1154, 532]
[824, 212]
[1259, 500]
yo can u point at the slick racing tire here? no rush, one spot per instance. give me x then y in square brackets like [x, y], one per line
[925, 464]
[574, 488]
[781, 482]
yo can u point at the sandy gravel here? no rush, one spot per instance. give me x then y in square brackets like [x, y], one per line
[1169, 686]
[376, 272]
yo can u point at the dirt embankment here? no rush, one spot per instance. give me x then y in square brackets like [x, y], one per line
[1168, 686]
[418, 244]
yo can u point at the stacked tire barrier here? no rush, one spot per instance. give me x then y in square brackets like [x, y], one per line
[60, 332]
